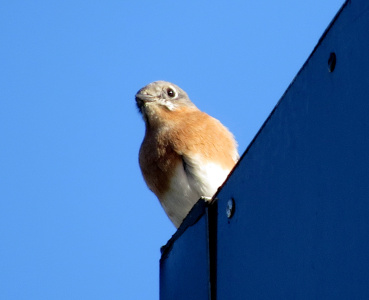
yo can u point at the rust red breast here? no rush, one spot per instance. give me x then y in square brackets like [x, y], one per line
[185, 154]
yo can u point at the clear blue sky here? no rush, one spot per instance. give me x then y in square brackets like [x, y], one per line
[76, 218]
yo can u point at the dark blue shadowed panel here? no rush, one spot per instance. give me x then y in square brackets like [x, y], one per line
[184, 264]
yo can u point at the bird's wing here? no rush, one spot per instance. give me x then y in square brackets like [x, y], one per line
[208, 151]
[203, 177]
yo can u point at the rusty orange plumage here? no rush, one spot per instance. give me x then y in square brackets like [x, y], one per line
[186, 154]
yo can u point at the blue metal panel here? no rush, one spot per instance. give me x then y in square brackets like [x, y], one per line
[184, 265]
[300, 229]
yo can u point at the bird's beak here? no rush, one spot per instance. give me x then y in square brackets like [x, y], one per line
[142, 99]
[145, 98]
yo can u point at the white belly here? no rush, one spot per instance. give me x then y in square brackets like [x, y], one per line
[187, 186]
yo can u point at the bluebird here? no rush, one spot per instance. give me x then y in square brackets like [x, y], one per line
[185, 154]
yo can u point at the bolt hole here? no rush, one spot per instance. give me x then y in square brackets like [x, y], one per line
[230, 208]
[332, 62]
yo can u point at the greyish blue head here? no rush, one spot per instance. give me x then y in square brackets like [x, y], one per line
[161, 95]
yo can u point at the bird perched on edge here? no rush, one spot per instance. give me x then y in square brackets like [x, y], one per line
[186, 154]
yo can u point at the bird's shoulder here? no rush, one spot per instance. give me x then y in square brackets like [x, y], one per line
[195, 133]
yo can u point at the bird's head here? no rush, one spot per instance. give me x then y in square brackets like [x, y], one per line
[161, 97]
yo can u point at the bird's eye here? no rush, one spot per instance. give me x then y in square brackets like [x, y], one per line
[171, 93]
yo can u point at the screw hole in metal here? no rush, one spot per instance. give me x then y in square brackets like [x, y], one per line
[332, 62]
[230, 208]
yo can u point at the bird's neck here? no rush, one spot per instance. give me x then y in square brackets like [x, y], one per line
[161, 119]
